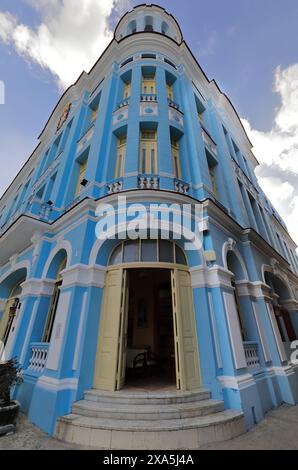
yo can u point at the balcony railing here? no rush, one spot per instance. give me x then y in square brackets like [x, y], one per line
[174, 105]
[124, 102]
[181, 187]
[209, 142]
[115, 186]
[39, 354]
[148, 182]
[148, 97]
[251, 354]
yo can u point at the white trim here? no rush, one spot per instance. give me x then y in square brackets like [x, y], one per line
[215, 332]
[37, 287]
[234, 331]
[280, 346]
[282, 370]
[83, 275]
[79, 339]
[230, 245]
[217, 276]
[59, 328]
[57, 385]
[238, 382]
[29, 331]
[255, 289]
[61, 245]
[17, 267]
[260, 328]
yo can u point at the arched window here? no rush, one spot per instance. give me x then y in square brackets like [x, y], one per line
[132, 27]
[53, 305]
[155, 251]
[148, 23]
[12, 304]
[164, 27]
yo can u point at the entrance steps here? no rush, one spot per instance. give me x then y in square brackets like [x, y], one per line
[148, 420]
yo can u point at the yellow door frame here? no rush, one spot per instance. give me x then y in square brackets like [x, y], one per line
[110, 363]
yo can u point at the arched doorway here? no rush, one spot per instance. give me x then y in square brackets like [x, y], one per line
[147, 322]
[280, 294]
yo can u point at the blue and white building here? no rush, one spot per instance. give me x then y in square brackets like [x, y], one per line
[144, 342]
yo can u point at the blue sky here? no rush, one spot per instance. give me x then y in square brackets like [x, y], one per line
[240, 43]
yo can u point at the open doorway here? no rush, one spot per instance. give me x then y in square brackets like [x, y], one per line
[150, 354]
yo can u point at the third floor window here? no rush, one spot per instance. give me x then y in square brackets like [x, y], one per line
[148, 152]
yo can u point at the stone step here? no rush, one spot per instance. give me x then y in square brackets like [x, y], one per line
[142, 397]
[147, 411]
[186, 433]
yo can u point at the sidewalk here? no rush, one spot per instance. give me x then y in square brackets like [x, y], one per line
[277, 431]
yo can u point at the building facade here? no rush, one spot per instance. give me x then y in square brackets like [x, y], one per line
[90, 317]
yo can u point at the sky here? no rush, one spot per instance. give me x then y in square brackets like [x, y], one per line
[248, 46]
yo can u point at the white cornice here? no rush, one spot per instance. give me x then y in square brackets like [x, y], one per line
[210, 277]
[37, 287]
[83, 275]
[239, 382]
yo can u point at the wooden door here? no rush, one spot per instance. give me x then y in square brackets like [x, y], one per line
[186, 348]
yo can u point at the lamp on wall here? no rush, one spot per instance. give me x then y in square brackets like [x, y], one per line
[49, 202]
[84, 182]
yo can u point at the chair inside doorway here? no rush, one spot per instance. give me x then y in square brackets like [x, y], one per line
[150, 357]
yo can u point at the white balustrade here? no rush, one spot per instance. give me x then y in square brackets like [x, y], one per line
[251, 354]
[148, 182]
[39, 356]
[181, 187]
[115, 187]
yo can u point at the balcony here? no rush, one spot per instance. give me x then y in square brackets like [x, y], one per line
[251, 354]
[149, 97]
[86, 137]
[209, 142]
[39, 355]
[148, 182]
[174, 105]
[115, 186]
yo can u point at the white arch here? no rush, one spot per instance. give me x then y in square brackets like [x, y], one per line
[266, 268]
[61, 245]
[21, 265]
[230, 245]
[120, 228]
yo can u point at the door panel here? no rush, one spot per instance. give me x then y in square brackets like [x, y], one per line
[109, 330]
[187, 359]
[123, 333]
[7, 319]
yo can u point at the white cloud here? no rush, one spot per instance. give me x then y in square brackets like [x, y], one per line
[70, 37]
[277, 150]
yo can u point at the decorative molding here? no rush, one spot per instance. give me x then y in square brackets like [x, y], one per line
[281, 370]
[290, 304]
[37, 287]
[254, 289]
[239, 382]
[214, 332]
[83, 275]
[57, 385]
[234, 331]
[217, 276]
[80, 338]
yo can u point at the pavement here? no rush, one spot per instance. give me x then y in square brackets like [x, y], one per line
[277, 431]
